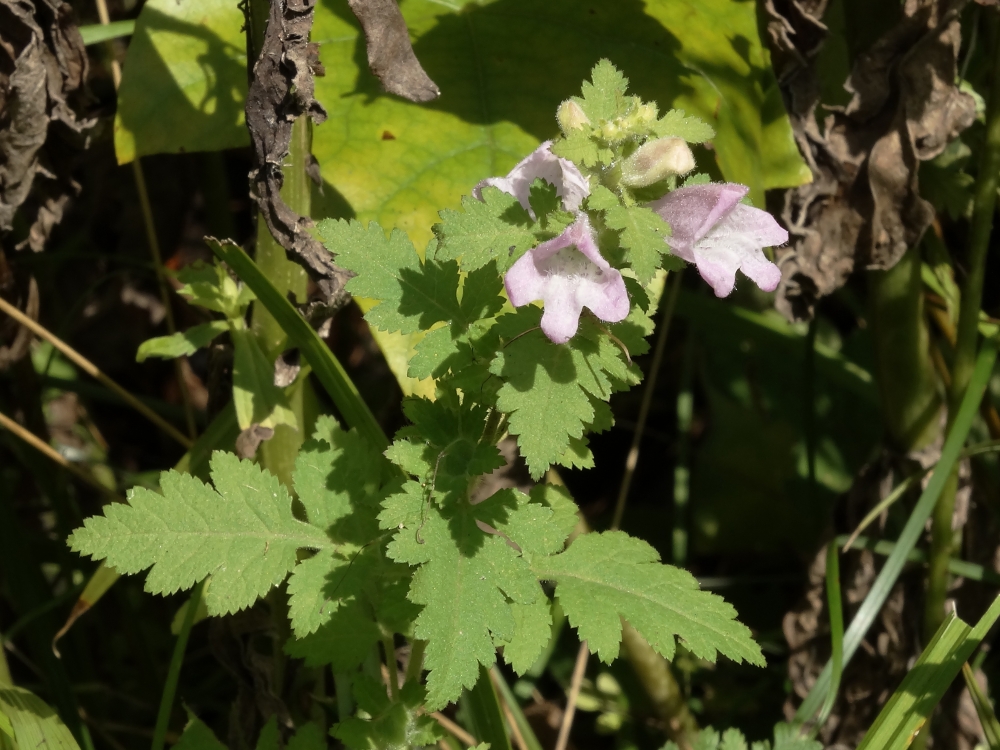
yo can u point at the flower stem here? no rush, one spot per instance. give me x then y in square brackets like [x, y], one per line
[984, 205]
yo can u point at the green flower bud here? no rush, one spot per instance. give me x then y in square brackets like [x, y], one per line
[655, 160]
[570, 117]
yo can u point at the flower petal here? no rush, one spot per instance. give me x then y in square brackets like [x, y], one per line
[524, 282]
[561, 317]
[568, 273]
[712, 229]
[692, 211]
[541, 163]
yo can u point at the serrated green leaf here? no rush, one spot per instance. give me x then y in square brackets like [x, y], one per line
[602, 199]
[579, 147]
[578, 455]
[184, 82]
[532, 632]
[495, 228]
[308, 736]
[643, 236]
[343, 641]
[546, 385]
[604, 578]
[394, 725]
[604, 94]
[733, 739]
[338, 483]
[464, 581]
[676, 124]
[412, 295]
[565, 513]
[198, 736]
[181, 344]
[242, 533]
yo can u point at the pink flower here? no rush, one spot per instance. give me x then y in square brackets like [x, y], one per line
[568, 273]
[713, 230]
[541, 163]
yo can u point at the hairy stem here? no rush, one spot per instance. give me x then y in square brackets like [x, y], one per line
[984, 205]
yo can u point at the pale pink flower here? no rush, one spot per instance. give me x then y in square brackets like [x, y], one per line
[541, 163]
[568, 273]
[713, 230]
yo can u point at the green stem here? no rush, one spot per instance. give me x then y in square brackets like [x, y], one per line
[415, 665]
[984, 205]
[660, 685]
[5, 677]
[390, 661]
[174, 673]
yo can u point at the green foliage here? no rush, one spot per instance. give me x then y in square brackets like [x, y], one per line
[786, 737]
[184, 80]
[27, 722]
[198, 736]
[182, 344]
[604, 578]
[643, 235]
[495, 228]
[390, 725]
[242, 534]
[478, 51]
[547, 387]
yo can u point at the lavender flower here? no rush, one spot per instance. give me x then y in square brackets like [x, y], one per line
[541, 163]
[713, 230]
[568, 273]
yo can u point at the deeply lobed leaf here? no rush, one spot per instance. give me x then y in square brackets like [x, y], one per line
[242, 533]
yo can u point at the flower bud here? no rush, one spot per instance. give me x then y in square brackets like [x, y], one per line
[655, 160]
[570, 116]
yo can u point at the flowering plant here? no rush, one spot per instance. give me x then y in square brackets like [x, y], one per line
[396, 538]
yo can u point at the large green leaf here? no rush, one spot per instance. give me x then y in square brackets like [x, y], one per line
[184, 82]
[504, 66]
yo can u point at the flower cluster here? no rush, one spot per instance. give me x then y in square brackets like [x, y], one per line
[710, 226]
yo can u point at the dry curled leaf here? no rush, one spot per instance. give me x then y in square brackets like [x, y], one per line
[863, 208]
[281, 91]
[390, 55]
[43, 66]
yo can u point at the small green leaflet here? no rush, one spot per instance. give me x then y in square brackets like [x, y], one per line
[532, 632]
[181, 344]
[786, 737]
[604, 95]
[604, 578]
[198, 736]
[495, 228]
[546, 385]
[675, 124]
[412, 295]
[393, 725]
[643, 236]
[242, 533]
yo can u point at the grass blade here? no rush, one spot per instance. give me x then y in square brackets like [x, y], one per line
[987, 717]
[911, 532]
[908, 708]
[835, 607]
